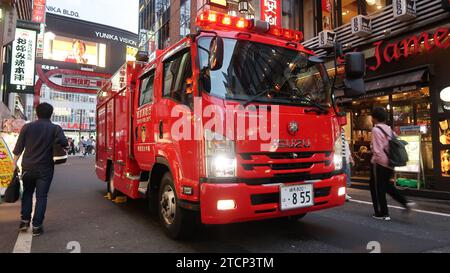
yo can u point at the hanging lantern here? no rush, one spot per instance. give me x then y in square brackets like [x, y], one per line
[243, 6]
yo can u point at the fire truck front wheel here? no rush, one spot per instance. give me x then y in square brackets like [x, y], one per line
[178, 223]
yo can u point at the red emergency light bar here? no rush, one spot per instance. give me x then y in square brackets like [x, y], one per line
[214, 20]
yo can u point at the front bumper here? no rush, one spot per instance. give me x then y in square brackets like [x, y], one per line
[257, 202]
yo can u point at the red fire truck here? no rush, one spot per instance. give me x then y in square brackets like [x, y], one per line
[225, 176]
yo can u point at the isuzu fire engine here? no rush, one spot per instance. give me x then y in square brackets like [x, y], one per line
[225, 176]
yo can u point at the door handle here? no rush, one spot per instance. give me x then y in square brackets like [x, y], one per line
[161, 135]
[136, 133]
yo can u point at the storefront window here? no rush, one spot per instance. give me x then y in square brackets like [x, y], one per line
[185, 15]
[376, 5]
[349, 10]
[409, 115]
[291, 14]
[352, 8]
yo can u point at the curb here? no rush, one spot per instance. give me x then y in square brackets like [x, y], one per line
[429, 194]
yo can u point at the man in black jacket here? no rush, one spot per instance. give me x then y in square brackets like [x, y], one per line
[37, 139]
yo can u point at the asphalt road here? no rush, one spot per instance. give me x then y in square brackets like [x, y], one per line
[78, 216]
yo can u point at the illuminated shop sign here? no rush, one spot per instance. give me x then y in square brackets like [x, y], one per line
[70, 50]
[38, 11]
[271, 12]
[23, 60]
[424, 42]
[82, 82]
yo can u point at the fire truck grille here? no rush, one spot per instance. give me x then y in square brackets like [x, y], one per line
[290, 155]
[287, 166]
[270, 198]
[271, 164]
[286, 178]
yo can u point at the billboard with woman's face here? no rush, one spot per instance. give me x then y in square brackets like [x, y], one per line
[79, 45]
[72, 50]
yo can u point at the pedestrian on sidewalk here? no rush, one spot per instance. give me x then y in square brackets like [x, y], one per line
[381, 172]
[348, 163]
[36, 141]
[81, 145]
[88, 146]
[71, 146]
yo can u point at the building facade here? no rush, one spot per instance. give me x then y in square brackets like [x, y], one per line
[81, 49]
[13, 13]
[166, 21]
[407, 48]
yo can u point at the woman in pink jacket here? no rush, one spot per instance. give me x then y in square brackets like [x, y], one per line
[381, 173]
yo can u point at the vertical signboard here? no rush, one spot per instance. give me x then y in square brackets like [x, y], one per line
[271, 12]
[23, 61]
[38, 11]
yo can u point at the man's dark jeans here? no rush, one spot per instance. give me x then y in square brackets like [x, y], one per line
[39, 180]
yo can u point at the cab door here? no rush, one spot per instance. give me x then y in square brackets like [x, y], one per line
[144, 133]
[175, 116]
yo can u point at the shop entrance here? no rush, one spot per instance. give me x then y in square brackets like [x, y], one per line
[410, 112]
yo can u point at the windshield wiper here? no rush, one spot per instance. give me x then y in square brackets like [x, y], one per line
[251, 99]
[319, 108]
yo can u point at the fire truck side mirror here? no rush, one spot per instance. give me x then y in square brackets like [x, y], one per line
[216, 53]
[355, 66]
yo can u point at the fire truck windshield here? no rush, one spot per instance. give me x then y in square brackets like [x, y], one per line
[265, 73]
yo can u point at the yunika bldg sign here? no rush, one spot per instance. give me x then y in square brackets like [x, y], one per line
[415, 44]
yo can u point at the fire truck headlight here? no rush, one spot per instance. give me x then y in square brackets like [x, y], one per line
[220, 155]
[338, 147]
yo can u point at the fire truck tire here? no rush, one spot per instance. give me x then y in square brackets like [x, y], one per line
[178, 223]
[112, 191]
[294, 218]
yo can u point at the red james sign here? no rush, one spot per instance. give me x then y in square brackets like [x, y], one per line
[271, 12]
[423, 42]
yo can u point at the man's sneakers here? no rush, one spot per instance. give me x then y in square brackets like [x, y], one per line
[384, 218]
[347, 197]
[24, 225]
[37, 231]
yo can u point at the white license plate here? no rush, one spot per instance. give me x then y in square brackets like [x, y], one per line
[296, 196]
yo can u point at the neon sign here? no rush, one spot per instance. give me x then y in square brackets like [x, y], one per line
[424, 42]
[271, 12]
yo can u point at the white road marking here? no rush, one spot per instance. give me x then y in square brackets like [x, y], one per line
[25, 238]
[23, 243]
[397, 207]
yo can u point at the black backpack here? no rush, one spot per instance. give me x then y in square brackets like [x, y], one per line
[398, 157]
